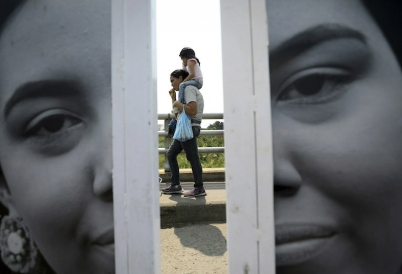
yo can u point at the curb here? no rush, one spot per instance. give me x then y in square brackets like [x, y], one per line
[177, 210]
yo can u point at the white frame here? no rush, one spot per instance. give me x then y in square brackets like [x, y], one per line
[135, 147]
[249, 171]
[248, 137]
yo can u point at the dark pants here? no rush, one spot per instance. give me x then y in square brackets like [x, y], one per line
[191, 149]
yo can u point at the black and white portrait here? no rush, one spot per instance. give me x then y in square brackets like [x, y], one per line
[336, 84]
[55, 137]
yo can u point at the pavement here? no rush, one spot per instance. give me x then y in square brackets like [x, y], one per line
[197, 248]
[193, 230]
[177, 210]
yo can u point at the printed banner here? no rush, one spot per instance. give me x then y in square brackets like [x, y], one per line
[336, 83]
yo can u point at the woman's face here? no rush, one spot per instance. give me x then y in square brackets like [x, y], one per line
[337, 128]
[175, 82]
[55, 129]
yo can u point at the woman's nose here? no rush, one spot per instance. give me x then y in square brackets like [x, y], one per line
[287, 179]
[103, 183]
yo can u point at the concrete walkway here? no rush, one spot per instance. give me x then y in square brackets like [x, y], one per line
[193, 234]
[177, 210]
[199, 248]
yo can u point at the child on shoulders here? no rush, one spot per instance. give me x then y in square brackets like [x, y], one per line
[192, 65]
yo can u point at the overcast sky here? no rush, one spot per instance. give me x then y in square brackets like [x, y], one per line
[196, 24]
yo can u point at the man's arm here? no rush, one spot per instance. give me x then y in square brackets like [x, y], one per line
[190, 108]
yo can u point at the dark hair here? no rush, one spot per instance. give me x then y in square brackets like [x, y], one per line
[188, 53]
[7, 7]
[179, 72]
[388, 15]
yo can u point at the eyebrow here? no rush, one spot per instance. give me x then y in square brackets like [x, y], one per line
[309, 38]
[42, 89]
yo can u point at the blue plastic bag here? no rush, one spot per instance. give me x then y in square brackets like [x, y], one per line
[184, 131]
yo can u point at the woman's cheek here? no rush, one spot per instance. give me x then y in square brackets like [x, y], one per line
[50, 195]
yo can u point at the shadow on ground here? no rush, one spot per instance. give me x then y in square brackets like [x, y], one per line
[181, 200]
[205, 238]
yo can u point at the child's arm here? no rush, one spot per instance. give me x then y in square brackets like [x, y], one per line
[191, 74]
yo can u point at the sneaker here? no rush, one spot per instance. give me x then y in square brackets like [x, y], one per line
[172, 189]
[195, 192]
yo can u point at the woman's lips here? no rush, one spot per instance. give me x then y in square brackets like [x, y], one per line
[104, 239]
[297, 243]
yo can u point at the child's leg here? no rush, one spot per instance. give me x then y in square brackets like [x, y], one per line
[181, 92]
[197, 84]
[184, 85]
[194, 83]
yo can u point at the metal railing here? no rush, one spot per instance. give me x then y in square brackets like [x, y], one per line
[168, 139]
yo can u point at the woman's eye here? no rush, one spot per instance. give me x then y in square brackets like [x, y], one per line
[310, 85]
[56, 123]
[53, 124]
[314, 86]
[54, 132]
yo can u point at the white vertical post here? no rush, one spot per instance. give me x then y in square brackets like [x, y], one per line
[248, 141]
[135, 147]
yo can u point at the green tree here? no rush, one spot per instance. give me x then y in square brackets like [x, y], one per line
[216, 126]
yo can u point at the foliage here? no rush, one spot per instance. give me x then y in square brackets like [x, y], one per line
[216, 125]
[208, 160]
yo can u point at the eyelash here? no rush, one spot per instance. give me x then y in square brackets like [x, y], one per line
[51, 126]
[330, 81]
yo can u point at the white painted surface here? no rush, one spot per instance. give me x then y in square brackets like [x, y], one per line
[135, 154]
[248, 145]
